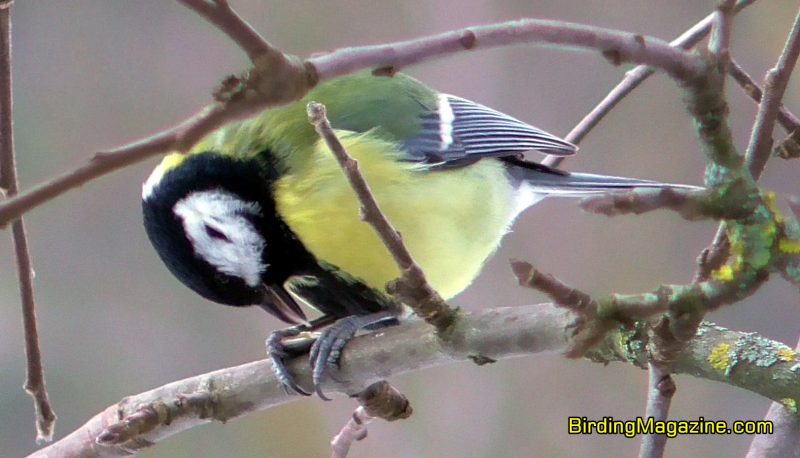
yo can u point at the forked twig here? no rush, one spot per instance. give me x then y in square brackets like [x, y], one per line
[35, 382]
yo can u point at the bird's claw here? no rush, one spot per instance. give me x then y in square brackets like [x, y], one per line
[325, 350]
[277, 351]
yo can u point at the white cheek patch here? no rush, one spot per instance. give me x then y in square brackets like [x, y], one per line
[221, 235]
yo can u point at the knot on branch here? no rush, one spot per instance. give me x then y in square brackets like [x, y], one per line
[424, 300]
[143, 420]
[789, 147]
[275, 79]
[382, 400]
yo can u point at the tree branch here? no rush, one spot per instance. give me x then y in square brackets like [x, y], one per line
[279, 78]
[220, 13]
[719, 43]
[660, 389]
[775, 83]
[634, 78]
[34, 382]
[617, 47]
[786, 118]
[740, 359]
[689, 204]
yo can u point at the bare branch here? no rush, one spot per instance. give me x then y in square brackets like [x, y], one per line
[633, 78]
[691, 205]
[413, 286]
[278, 78]
[379, 400]
[231, 24]
[660, 389]
[589, 328]
[732, 202]
[617, 47]
[719, 43]
[563, 295]
[775, 83]
[785, 441]
[354, 430]
[786, 118]
[35, 382]
[715, 354]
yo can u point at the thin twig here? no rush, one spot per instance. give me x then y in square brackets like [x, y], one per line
[719, 43]
[786, 118]
[424, 300]
[660, 389]
[634, 78]
[278, 78]
[411, 346]
[589, 328]
[689, 204]
[354, 430]
[558, 291]
[775, 83]
[219, 13]
[735, 201]
[35, 382]
[617, 47]
[379, 400]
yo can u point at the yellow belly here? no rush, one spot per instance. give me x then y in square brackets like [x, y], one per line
[451, 221]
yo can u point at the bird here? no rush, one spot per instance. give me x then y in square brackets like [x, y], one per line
[259, 212]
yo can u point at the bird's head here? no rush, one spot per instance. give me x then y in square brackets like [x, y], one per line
[207, 216]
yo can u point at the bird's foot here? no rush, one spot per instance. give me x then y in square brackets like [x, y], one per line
[278, 351]
[324, 350]
[327, 349]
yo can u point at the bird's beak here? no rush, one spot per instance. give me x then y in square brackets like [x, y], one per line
[280, 303]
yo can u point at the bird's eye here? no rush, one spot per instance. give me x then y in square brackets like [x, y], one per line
[216, 234]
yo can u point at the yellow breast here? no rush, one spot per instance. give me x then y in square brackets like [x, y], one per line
[451, 220]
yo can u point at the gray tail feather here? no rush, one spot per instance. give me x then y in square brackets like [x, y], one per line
[546, 180]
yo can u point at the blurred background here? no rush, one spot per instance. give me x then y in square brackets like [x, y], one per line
[95, 74]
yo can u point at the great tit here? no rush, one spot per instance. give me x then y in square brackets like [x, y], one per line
[259, 212]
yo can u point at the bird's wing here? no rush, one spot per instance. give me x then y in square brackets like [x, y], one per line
[458, 131]
[431, 127]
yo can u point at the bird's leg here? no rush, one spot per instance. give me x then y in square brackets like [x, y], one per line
[278, 351]
[327, 349]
